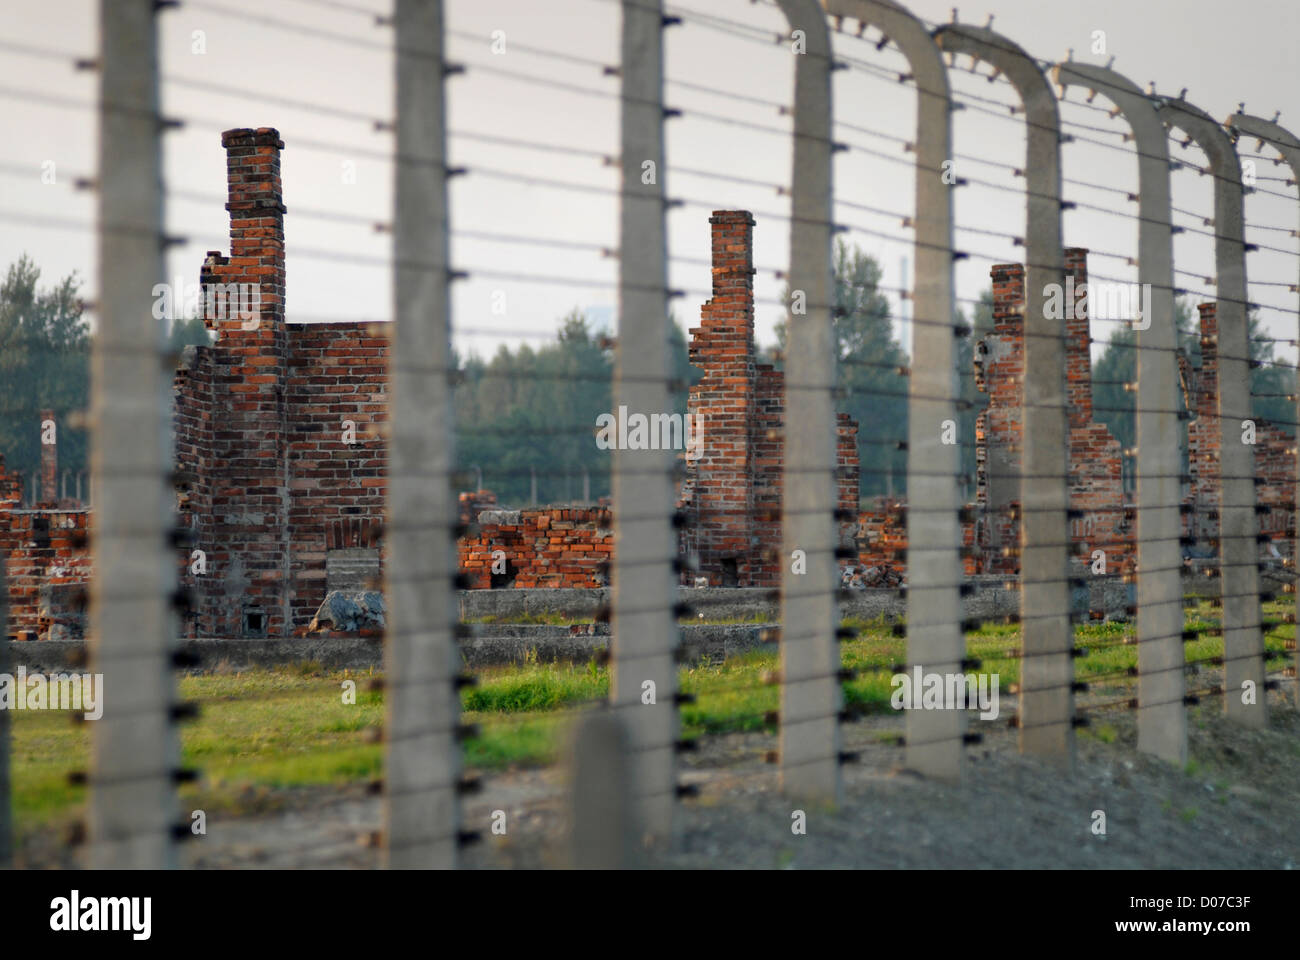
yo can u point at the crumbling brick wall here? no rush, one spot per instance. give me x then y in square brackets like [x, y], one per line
[882, 543]
[999, 369]
[1203, 497]
[1098, 518]
[281, 452]
[44, 550]
[560, 546]
[338, 472]
[1274, 453]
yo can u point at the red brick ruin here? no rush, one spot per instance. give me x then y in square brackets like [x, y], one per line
[1274, 457]
[278, 444]
[281, 458]
[731, 495]
[1098, 519]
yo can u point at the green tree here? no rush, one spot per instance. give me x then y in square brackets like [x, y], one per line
[1112, 404]
[1115, 406]
[872, 390]
[188, 331]
[44, 365]
[534, 410]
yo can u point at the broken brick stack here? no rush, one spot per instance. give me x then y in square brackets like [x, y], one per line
[730, 497]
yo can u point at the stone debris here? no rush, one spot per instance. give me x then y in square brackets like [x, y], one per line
[349, 612]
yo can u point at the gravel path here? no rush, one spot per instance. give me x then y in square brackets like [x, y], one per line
[1237, 806]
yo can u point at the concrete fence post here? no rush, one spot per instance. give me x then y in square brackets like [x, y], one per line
[422, 705]
[601, 832]
[643, 682]
[135, 753]
[934, 636]
[1288, 145]
[810, 654]
[1243, 636]
[1162, 716]
[1047, 668]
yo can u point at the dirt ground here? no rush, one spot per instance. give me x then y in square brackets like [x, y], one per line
[1236, 806]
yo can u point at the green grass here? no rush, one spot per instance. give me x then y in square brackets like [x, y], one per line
[265, 730]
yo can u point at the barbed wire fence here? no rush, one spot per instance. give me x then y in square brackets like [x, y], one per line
[628, 772]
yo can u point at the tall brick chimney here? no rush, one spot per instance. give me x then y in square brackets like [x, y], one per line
[726, 331]
[1078, 342]
[1095, 457]
[257, 211]
[49, 458]
[723, 347]
[248, 528]
[1207, 394]
[999, 428]
[1203, 437]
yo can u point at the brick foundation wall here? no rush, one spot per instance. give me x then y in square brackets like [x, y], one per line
[547, 547]
[881, 543]
[45, 553]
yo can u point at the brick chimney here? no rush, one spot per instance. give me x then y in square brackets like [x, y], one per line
[1078, 342]
[248, 474]
[722, 346]
[1203, 435]
[1207, 392]
[726, 331]
[1000, 427]
[49, 491]
[257, 211]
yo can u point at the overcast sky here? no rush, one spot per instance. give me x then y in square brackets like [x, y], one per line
[321, 72]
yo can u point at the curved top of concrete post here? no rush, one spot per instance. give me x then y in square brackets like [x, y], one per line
[1261, 129]
[905, 30]
[806, 15]
[1208, 133]
[1043, 123]
[1138, 108]
[1005, 54]
[812, 89]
